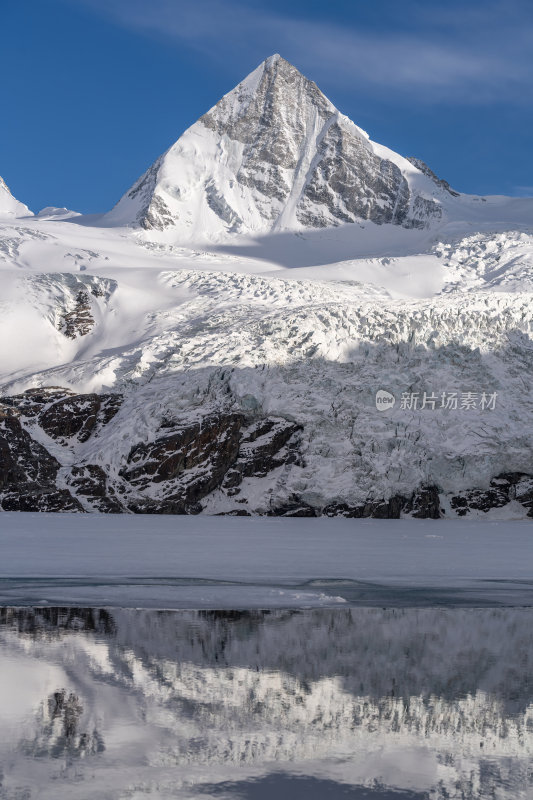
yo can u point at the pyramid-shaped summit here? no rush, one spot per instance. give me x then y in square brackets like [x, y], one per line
[275, 154]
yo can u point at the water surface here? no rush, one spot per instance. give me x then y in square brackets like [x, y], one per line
[326, 703]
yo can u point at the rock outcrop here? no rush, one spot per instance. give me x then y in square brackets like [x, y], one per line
[503, 489]
[424, 503]
[186, 462]
[218, 460]
[216, 452]
[28, 473]
[79, 321]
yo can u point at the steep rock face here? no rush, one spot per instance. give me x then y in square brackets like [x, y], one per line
[191, 461]
[350, 182]
[75, 300]
[187, 461]
[28, 473]
[216, 452]
[90, 482]
[275, 154]
[30, 476]
[263, 449]
[78, 416]
[79, 321]
[216, 460]
[62, 414]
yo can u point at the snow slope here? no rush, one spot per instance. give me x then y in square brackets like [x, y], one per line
[9, 206]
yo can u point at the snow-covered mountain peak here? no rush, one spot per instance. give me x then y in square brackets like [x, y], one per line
[275, 154]
[9, 205]
[267, 92]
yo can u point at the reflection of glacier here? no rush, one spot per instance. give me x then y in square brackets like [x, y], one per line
[431, 700]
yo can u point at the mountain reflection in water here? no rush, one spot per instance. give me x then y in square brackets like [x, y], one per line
[329, 703]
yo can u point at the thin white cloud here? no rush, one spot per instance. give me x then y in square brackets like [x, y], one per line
[474, 57]
[522, 191]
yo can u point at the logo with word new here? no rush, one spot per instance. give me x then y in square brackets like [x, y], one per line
[384, 400]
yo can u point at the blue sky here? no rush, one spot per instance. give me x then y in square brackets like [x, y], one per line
[94, 90]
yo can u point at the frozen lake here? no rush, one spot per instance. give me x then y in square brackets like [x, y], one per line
[321, 704]
[229, 562]
[394, 659]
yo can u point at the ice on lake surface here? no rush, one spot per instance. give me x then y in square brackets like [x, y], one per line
[228, 562]
[319, 704]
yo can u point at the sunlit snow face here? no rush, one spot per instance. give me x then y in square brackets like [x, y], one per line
[234, 704]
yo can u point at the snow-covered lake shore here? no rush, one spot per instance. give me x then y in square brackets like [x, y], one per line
[228, 562]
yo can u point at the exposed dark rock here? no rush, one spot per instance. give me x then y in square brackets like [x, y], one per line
[90, 481]
[61, 413]
[379, 509]
[389, 509]
[79, 415]
[33, 401]
[479, 500]
[423, 167]
[294, 508]
[236, 512]
[28, 473]
[263, 448]
[343, 510]
[194, 458]
[79, 321]
[504, 488]
[39, 498]
[425, 503]
[177, 504]
[189, 460]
